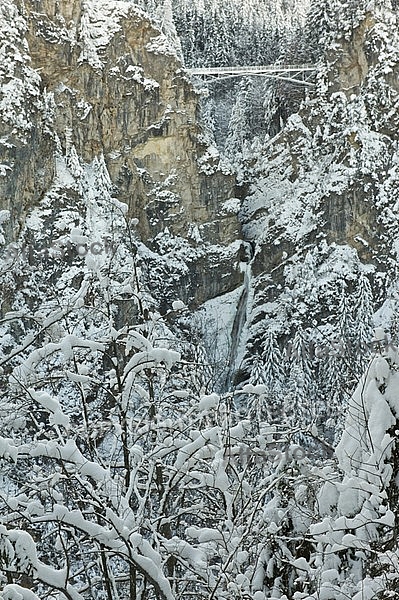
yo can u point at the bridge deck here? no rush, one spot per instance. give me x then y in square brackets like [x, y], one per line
[252, 70]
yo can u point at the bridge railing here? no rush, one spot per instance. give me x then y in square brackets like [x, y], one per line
[307, 67]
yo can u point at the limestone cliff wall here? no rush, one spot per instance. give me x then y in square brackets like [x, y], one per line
[115, 87]
[98, 78]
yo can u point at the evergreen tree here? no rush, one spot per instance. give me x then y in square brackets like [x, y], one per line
[268, 372]
[299, 404]
[321, 23]
[240, 124]
[346, 344]
[334, 389]
[345, 318]
[168, 27]
[363, 320]
[274, 374]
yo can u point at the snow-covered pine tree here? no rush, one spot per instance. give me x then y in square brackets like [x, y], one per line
[240, 131]
[334, 376]
[257, 370]
[168, 27]
[345, 319]
[337, 373]
[300, 397]
[320, 24]
[268, 371]
[363, 310]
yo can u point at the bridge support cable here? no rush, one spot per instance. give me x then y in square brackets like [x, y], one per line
[282, 72]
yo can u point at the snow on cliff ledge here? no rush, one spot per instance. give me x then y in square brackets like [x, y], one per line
[101, 20]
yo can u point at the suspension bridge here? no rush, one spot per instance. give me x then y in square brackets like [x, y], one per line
[294, 73]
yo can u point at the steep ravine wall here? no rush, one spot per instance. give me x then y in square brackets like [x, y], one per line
[107, 83]
[324, 206]
[125, 96]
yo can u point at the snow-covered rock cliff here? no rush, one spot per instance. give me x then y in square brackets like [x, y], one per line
[322, 211]
[96, 81]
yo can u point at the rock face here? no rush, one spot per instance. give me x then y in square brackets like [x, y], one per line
[26, 148]
[101, 80]
[119, 90]
[352, 60]
[94, 102]
[324, 208]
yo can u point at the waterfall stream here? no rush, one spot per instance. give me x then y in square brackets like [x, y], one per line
[239, 330]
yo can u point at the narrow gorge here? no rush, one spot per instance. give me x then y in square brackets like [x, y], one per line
[199, 301]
